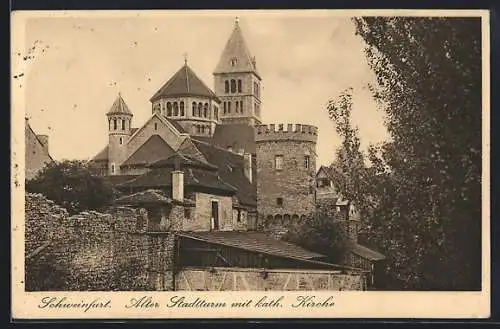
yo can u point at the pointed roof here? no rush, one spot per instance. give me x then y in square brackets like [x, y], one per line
[184, 83]
[154, 149]
[119, 107]
[236, 57]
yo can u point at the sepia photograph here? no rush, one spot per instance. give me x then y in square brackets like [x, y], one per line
[211, 151]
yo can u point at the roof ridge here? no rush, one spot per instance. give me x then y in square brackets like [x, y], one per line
[217, 147]
[187, 77]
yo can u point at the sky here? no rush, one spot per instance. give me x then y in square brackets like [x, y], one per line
[78, 65]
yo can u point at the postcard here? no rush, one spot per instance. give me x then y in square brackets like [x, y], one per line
[250, 164]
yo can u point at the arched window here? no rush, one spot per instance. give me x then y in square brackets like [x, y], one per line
[121, 140]
[176, 109]
[278, 219]
[182, 109]
[239, 86]
[114, 124]
[216, 113]
[233, 86]
[156, 126]
[202, 129]
[109, 124]
[226, 86]
[208, 130]
[225, 107]
[228, 107]
[200, 109]
[194, 108]
[205, 110]
[123, 124]
[169, 109]
[237, 106]
[241, 106]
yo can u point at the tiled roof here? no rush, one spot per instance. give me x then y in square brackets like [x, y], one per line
[257, 242]
[154, 149]
[182, 161]
[184, 83]
[144, 197]
[195, 179]
[176, 125]
[149, 197]
[230, 168]
[237, 136]
[119, 107]
[102, 155]
[119, 179]
[365, 252]
[236, 49]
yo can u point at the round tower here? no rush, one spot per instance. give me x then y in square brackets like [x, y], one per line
[286, 166]
[119, 127]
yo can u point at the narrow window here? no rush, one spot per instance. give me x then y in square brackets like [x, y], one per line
[278, 162]
[182, 109]
[225, 107]
[121, 140]
[114, 124]
[228, 107]
[306, 161]
[205, 110]
[226, 86]
[156, 126]
[123, 124]
[238, 217]
[233, 86]
[279, 202]
[200, 109]
[176, 109]
[194, 109]
[239, 86]
[112, 168]
[237, 108]
[169, 109]
[241, 106]
[216, 113]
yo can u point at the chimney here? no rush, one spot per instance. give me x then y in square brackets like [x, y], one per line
[178, 185]
[44, 139]
[248, 166]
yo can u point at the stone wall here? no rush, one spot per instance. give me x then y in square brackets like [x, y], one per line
[36, 153]
[294, 184]
[223, 279]
[87, 251]
[201, 217]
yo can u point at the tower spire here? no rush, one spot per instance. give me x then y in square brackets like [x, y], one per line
[236, 21]
[185, 58]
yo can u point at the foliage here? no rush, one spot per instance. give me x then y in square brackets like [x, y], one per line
[320, 234]
[71, 185]
[422, 193]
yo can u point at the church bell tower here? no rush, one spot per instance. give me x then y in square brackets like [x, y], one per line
[237, 82]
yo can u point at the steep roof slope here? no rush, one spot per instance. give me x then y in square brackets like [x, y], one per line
[154, 149]
[230, 168]
[236, 57]
[184, 83]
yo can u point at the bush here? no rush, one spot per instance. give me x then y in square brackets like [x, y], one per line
[71, 185]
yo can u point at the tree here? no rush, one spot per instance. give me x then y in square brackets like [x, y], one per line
[71, 185]
[428, 218]
[320, 234]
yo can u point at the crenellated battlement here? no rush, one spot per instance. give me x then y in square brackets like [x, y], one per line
[281, 131]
